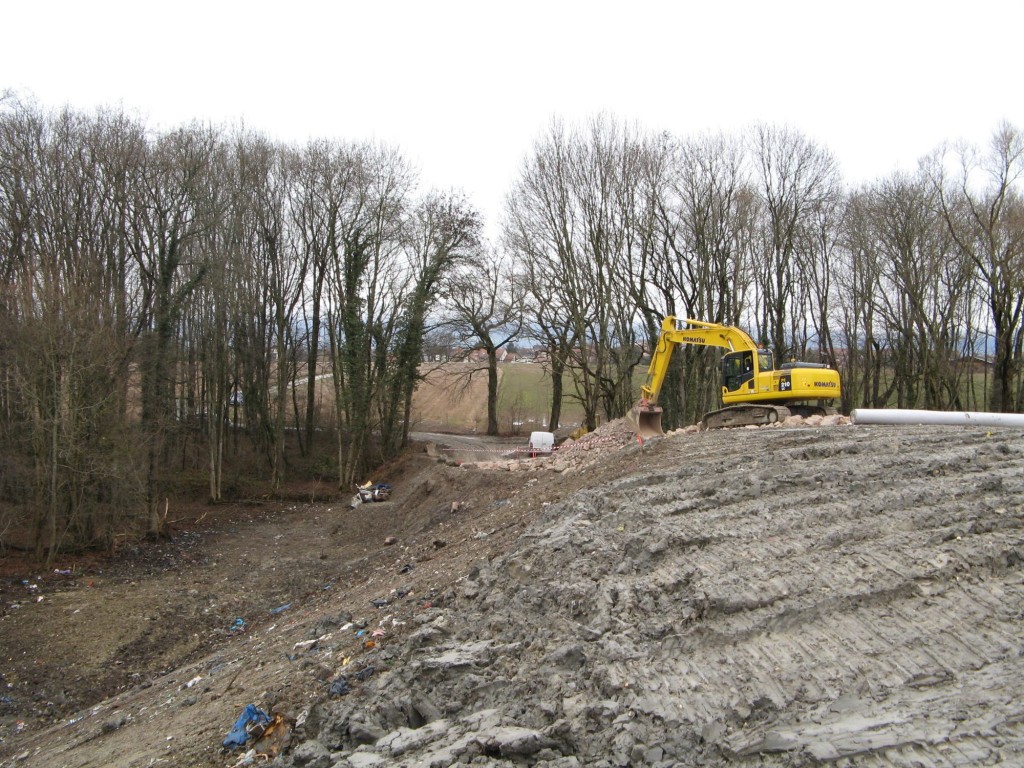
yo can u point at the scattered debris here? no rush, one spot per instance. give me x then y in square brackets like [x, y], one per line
[270, 739]
[275, 738]
[369, 492]
[249, 758]
[601, 625]
[115, 723]
[250, 724]
[365, 673]
[339, 687]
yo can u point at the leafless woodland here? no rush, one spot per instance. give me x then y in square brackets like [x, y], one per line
[171, 300]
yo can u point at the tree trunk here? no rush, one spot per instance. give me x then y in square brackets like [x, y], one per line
[314, 354]
[1002, 369]
[557, 388]
[492, 391]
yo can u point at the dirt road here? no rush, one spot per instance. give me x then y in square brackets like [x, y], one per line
[790, 596]
[460, 449]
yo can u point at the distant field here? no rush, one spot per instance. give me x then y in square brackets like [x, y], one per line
[447, 402]
[450, 400]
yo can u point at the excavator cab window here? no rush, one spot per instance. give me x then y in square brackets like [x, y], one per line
[765, 360]
[737, 369]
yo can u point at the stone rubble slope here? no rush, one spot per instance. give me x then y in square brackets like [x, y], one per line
[788, 596]
[573, 455]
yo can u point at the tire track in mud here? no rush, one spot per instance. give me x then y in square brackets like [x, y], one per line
[800, 594]
[848, 596]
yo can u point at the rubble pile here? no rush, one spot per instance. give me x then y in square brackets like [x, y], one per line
[573, 455]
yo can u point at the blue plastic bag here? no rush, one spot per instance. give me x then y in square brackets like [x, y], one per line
[239, 734]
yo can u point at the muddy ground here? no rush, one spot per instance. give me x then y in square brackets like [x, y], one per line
[800, 595]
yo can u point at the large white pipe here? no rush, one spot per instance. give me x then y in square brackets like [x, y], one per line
[954, 418]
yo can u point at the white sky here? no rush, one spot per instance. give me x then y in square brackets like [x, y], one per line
[464, 88]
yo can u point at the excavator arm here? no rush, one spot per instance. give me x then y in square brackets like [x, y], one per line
[674, 333]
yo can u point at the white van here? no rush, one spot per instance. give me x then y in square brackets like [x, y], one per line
[541, 442]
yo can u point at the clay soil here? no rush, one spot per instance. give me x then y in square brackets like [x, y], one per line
[789, 596]
[99, 641]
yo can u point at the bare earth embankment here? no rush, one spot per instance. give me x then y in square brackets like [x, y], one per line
[800, 595]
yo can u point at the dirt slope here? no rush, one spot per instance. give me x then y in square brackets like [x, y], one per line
[792, 596]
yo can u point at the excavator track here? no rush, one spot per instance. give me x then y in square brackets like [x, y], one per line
[748, 414]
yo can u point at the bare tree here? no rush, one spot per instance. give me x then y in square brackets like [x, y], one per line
[819, 241]
[539, 229]
[174, 213]
[704, 212]
[441, 231]
[366, 289]
[67, 318]
[279, 268]
[795, 177]
[857, 271]
[548, 319]
[982, 206]
[485, 299]
[575, 206]
[923, 293]
[328, 203]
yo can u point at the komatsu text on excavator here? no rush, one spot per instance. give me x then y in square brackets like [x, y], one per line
[753, 390]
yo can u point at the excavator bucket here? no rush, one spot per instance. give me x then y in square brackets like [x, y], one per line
[646, 421]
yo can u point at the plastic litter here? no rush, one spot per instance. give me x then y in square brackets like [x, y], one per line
[268, 739]
[339, 687]
[238, 626]
[281, 608]
[371, 491]
[365, 673]
[251, 720]
[275, 737]
[249, 758]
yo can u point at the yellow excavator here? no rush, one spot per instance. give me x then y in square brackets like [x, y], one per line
[753, 390]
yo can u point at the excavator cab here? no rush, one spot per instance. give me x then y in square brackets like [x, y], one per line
[737, 370]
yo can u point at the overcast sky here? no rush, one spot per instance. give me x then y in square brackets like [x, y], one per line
[465, 88]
